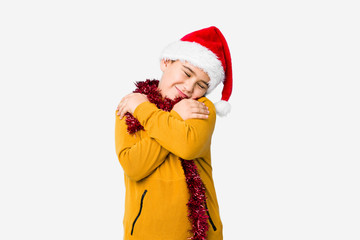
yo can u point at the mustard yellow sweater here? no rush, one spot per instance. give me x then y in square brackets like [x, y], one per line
[156, 191]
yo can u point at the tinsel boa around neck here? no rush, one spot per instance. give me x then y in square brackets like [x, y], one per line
[197, 210]
[149, 88]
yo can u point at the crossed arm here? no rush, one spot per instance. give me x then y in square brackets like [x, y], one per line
[166, 132]
[139, 157]
[187, 108]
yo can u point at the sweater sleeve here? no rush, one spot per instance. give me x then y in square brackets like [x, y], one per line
[188, 139]
[138, 157]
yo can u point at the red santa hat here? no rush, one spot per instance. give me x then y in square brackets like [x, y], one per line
[208, 50]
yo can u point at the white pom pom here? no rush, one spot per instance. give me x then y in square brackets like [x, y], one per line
[222, 108]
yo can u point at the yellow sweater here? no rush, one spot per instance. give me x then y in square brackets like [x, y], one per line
[156, 190]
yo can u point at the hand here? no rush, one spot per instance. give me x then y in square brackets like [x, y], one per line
[189, 108]
[129, 103]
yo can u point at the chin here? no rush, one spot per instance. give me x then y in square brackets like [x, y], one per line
[169, 96]
[173, 98]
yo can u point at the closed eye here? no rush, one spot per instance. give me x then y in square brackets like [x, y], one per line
[187, 74]
[200, 85]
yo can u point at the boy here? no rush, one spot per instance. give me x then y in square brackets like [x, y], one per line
[163, 143]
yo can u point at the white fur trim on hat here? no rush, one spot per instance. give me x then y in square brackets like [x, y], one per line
[199, 56]
[222, 108]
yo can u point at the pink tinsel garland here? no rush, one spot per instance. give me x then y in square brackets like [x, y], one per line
[196, 206]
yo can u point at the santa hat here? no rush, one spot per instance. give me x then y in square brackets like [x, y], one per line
[208, 50]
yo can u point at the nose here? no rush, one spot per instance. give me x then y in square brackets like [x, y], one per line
[188, 87]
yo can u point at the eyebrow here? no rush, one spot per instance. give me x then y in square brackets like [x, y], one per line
[207, 84]
[189, 69]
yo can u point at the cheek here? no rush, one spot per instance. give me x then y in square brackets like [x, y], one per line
[198, 93]
[170, 79]
[165, 81]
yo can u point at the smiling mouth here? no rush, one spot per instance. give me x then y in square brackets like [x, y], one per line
[183, 95]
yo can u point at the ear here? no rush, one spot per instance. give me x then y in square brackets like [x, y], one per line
[164, 63]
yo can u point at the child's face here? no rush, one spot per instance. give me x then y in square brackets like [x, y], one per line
[181, 79]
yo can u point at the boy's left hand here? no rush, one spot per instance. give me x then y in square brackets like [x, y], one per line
[129, 103]
[190, 108]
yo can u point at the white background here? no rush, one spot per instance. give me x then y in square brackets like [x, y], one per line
[286, 160]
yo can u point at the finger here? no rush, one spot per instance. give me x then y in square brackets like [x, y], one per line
[120, 103]
[202, 109]
[205, 111]
[118, 110]
[121, 106]
[200, 104]
[122, 114]
[118, 106]
[122, 110]
[199, 116]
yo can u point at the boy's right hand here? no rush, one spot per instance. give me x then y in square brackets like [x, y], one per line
[189, 108]
[129, 103]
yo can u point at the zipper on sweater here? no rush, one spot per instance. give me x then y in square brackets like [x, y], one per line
[210, 220]
[141, 205]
